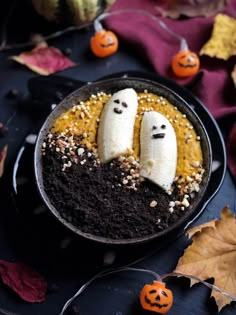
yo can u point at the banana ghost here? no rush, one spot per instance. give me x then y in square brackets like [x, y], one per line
[158, 145]
[116, 127]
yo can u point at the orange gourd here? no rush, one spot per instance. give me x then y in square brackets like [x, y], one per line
[185, 63]
[104, 43]
[156, 297]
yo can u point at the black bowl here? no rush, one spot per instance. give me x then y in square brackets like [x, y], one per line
[112, 86]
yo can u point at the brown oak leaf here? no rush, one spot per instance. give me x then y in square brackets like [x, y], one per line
[3, 155]
[191, 8]
[44, 59]
[212, 254]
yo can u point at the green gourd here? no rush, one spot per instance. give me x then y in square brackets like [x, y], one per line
[75, 12]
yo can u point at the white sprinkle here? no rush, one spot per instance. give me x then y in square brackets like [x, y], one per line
[80, 151]
[185, 203]
[153, 203]
[171, 210]
[195, 163]
[172, 204]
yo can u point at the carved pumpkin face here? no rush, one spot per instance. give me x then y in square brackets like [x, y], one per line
[156, 298]
[104, 43]
[185, 63]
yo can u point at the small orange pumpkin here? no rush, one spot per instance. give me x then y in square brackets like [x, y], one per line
[156, 297]
[104, 43]
[185, 63]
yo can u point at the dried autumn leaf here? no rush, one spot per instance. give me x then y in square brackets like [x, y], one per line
[192, 8]
[3, 155]
[222, 43]
[44, 60]
[212, 254]
[200, 227]
[22, 279]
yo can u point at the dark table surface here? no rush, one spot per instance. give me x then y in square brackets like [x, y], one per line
[66, 262]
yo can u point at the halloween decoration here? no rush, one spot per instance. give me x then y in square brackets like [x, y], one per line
[104, 43]
[156, 297]
[185, 63]
[80, 119]
[158, 150]
[75, 12]
[116, 126]
[102, 47]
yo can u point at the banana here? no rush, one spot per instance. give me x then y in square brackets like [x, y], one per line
[158, 157]
[116, 126]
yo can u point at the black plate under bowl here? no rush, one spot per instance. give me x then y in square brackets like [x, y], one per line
[111, 86]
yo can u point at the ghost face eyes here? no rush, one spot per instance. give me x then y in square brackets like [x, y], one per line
[159, 134]
[118, 110]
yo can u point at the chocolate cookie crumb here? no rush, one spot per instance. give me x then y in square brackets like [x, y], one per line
[93, 197]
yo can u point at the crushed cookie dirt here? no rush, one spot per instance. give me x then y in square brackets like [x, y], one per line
[93, 198]
[110, 200]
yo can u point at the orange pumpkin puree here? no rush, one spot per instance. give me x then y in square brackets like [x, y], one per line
[83, 119]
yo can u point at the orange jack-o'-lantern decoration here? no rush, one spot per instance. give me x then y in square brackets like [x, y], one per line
[156, 297]
[104, 43]
[185, 63]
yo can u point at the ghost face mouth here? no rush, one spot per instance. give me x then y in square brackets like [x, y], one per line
[118, 111]
[158, 135]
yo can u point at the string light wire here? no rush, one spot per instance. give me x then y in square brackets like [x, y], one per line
[98, 27]
[156, 276]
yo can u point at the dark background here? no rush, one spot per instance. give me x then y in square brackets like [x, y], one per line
[41, 242]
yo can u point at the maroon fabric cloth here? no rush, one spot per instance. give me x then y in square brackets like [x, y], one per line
[145, 36]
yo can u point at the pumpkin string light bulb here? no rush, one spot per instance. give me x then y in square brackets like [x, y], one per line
[156, 297]
[153, 297]
[185, 63]
[105, 43]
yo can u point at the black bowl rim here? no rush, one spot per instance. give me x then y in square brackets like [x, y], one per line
[63, 105]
